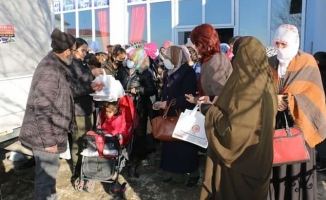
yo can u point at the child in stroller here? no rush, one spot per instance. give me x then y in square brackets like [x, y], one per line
[109, 146]
[111, 121]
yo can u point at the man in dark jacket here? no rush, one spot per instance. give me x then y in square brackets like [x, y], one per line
[49, 114]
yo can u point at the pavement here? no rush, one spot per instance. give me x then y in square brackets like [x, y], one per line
[18, 184]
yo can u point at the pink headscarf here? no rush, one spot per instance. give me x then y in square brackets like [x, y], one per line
[151, 50]
[166, 44]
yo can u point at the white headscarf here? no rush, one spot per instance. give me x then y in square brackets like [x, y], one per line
[289, 35]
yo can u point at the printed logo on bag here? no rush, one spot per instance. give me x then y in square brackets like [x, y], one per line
[195, 129]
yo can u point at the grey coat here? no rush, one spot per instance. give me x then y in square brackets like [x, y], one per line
[214, 74]
[49, 114]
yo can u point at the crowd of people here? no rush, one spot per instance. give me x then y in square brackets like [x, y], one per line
[243, 89]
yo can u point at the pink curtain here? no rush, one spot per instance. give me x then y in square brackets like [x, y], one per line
[103, 25]
[138, 19]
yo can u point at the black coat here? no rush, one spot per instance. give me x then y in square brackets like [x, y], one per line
[179, 157]
[81, 80]
[181, 82]
[143, 82]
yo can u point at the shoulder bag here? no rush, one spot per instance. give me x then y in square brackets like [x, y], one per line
[163, 126]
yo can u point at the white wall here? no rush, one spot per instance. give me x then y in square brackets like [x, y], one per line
[13, 93]
[315, 29]
[33, 22]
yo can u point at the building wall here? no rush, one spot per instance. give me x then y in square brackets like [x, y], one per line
[315, 24]
[33, 22]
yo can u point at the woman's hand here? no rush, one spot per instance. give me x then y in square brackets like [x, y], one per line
[97, 71]
[97, 86]
[133, 91]
[190, 98]
[203, 99]
[282, 104]
[163, 105]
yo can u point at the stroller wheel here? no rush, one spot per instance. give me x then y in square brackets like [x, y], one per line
[89, 186]
[79, 184]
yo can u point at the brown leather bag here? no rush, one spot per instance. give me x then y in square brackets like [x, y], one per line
[163, 126]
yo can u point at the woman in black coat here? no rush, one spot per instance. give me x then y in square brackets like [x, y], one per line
[179, 157]
[138, 81]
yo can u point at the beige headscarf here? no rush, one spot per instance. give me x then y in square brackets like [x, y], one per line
[178, 55]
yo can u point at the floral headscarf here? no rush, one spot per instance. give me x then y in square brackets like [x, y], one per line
[289, 35]
[271, 51]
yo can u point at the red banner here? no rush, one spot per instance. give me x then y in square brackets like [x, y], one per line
[7, 33]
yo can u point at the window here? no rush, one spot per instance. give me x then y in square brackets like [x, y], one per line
[218, 12]
[57, 6]
[100, 3]
[83, 4]
[69, 5]
[57, 21]
[160, 22]
[69, 25]
[224, 35]
[190, 12]
[137, 23]
[85, 25]
[102, 28]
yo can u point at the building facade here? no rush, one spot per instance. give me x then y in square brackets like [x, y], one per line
[124, 21]
[103, 22]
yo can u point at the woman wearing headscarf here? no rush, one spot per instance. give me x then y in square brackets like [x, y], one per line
[136, 78]
[239, 128]
[215, 66]
[301, 99]
[178, 157]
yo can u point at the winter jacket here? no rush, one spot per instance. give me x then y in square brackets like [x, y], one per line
[81, 80]
[49, 114]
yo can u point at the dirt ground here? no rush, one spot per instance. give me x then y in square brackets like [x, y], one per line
[18, 184]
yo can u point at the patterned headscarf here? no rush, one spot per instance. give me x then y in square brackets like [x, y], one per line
[271, 51]
[289, 35]
[140, 58]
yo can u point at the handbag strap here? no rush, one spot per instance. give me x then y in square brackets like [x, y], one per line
[172, 103]
[287, 127]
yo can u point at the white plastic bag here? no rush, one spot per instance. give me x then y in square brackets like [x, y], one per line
[66, 155]
[111, 91]
[191, 128]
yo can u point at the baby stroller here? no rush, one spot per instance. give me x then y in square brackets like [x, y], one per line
[104, 155]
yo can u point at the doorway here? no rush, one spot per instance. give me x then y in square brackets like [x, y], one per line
[224, 34]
